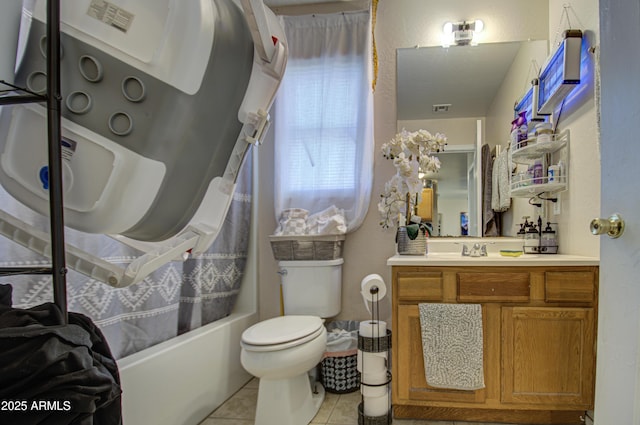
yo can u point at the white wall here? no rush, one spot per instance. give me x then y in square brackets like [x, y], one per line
[406, 23]
[459, 131]
[581, 203]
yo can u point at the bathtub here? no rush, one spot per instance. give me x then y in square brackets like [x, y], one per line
[182, 380]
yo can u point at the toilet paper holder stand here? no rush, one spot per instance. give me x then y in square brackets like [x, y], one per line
[375, 344]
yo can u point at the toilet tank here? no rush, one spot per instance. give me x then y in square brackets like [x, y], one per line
[312, 287]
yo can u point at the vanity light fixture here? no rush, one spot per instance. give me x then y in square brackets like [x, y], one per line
[461, 33]
[561, 74]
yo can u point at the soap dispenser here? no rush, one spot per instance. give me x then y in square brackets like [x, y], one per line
[532, 240]
[548, 240]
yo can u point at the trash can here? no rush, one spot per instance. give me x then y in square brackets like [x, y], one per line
[339, 366]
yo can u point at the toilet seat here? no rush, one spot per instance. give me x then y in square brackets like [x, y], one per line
[281, 332]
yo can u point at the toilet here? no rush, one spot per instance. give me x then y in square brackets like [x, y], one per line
[281, 351]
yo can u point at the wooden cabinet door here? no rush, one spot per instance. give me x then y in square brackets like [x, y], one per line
[408, 375]
[548, 356]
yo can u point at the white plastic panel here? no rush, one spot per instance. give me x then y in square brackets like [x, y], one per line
[118, 186]
[156, 36]
[137, 28]
[98, 174]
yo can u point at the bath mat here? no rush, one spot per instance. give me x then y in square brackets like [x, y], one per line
[452, 345]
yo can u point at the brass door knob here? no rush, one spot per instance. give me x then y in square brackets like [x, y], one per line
[612, 226]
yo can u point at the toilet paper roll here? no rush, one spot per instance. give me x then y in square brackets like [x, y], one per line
[371, 362]
[376, 406]
[376, 378]
[372, 282]
[368, 391]
[373, 328]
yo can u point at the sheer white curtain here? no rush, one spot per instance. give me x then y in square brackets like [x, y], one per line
[324, 116]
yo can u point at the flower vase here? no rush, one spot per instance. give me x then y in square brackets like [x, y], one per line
[408, 246]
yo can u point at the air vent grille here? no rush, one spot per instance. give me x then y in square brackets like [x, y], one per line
[443, 107]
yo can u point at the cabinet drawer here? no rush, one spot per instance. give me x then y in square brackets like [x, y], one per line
[493, 287]
[424, 286]
[570, 286]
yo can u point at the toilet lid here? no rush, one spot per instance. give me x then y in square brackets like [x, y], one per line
[280, 330]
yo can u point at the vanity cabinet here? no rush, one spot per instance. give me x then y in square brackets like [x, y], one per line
[539, 331]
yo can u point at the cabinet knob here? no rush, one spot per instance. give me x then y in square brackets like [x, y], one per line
[612, 226]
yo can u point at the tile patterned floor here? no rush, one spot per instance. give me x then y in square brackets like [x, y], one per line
[336, 409]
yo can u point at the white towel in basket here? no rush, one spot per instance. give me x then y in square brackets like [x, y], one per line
[452, 345]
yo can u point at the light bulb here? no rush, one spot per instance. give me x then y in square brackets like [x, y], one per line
[448, 28]
[479, 26]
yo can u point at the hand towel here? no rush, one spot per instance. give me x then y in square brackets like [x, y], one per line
[501, 193]
[452, 345]
[489, 217]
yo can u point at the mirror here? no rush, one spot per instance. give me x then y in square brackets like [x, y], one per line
[457, 91]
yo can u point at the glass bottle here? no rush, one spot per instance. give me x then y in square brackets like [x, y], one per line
[548, 241]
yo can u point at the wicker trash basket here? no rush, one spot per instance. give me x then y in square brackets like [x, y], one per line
[306, 247]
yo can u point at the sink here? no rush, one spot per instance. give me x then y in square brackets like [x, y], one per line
[458, 255]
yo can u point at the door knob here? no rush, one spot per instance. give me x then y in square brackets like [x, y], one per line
[612, 226]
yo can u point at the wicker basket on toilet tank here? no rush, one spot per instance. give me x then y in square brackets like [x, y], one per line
[306, 247]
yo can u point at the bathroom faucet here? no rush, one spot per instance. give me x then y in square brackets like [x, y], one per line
[477, 250]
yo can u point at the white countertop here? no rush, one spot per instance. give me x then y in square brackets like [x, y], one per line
[493, 259]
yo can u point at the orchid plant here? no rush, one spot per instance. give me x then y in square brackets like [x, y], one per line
[411, 153]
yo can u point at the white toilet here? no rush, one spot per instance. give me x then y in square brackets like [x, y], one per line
[281, 351]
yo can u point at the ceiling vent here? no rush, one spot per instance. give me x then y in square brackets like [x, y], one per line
[443, 107]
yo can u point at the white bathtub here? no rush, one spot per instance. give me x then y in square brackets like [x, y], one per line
[182, 380]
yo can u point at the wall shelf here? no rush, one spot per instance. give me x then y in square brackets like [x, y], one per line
[548, 153]
[531, 149]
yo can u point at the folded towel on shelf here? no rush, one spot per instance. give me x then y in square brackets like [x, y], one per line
[452, 345]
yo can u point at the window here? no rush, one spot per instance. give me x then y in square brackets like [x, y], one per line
[323, 118]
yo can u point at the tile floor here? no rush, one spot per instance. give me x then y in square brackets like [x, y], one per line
[337, 409]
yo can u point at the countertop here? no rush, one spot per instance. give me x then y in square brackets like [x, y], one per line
[493, 259]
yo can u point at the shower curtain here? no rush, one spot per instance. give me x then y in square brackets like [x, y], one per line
[176, 298]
